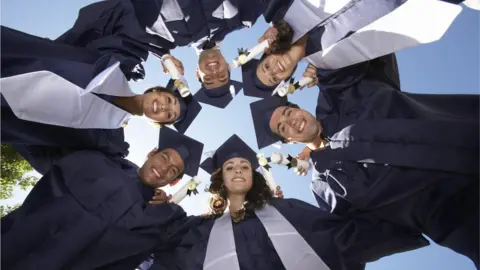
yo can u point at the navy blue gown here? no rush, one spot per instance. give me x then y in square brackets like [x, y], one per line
[88, 211]
[413, 154]
[75, 64]
[117, 24]
[341, 242]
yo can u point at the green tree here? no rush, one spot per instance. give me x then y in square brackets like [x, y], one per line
[5, 209]
[13, 173]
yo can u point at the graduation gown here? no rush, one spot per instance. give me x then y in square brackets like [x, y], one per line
[343, 32]
[342, 243]
[88, 211]
[388, 146]
[159, 26]
[47, 119]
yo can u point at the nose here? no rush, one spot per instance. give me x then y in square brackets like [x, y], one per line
[238, 171]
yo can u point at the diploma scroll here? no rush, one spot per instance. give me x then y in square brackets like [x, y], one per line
[180, 82]
[187, 189]
[289, 161]
[290, 88]
[245, 56]
[266, 171]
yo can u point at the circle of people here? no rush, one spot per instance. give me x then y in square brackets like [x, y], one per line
[388, 166]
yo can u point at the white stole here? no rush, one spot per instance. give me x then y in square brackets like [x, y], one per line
[413, 23]
[304, 15]
[293, 250]
[45, 97]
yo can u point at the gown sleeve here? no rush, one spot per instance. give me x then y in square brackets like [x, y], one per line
[360, 237]
[113, 28]
[41, 158]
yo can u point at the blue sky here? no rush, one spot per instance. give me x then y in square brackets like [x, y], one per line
[448, 66]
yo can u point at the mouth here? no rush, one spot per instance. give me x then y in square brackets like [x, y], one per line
[280, 66]
[238, 179]
[156, 172]
[302, 126]
[155, 106]
[212, 64]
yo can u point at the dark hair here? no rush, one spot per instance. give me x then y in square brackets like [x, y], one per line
[161, 90]
[283, 40]
[256, 197]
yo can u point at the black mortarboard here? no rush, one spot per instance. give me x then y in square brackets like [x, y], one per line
[189, 109]
[219, 97]
[262, 111]
[232, 148]
[189, 149]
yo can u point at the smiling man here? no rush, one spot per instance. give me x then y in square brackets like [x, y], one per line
[413, 158]
[85, 194]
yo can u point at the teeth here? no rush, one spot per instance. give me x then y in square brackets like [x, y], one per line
[302, 126]
[238, 179]
[155, 107]
[280, 66]
[212, 64]
[155, 172]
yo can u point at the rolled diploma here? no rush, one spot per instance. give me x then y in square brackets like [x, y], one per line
[269, 177]
[256, 50]
[280, 159]
[304, 81]
[182, 192]
[173, 71]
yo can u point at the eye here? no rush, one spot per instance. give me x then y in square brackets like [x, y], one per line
[267, 66]
[229, 168]
[245, 167]
[289, 112]
[282, 129]
[169, 100]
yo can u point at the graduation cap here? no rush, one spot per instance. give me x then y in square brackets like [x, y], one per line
[262, 111]
[189, 109]
[252, 86]
[189, 149]
[232, 148]
[219, 97]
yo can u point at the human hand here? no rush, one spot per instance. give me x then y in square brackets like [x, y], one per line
[178, 64]
[310, 72]
[304, 155]
[271, 36]
[160, 197]
[278, 192]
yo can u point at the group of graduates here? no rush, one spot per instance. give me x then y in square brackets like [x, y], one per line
[390, 167]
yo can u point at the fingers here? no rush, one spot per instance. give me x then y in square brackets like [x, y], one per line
[179, 65]
[160, 197]
[300, 171]
[261, 39]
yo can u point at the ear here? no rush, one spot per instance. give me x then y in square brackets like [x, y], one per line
[153, 152]
[174, 182]
[198, 74]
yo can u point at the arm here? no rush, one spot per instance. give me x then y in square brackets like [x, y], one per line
[112, 28]
[41, 158]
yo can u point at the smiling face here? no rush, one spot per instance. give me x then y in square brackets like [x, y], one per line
[237, 176]
[213, 70]
[161, 168]
[294, 125]
[161, 106]
[275, 68]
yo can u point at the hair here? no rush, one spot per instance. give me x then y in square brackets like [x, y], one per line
[161, 90]
[256, 197]
[283, 40]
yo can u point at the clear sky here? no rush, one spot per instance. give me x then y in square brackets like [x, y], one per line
[448, 66]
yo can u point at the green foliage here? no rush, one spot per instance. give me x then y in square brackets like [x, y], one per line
[5, 210]
[13, 170]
